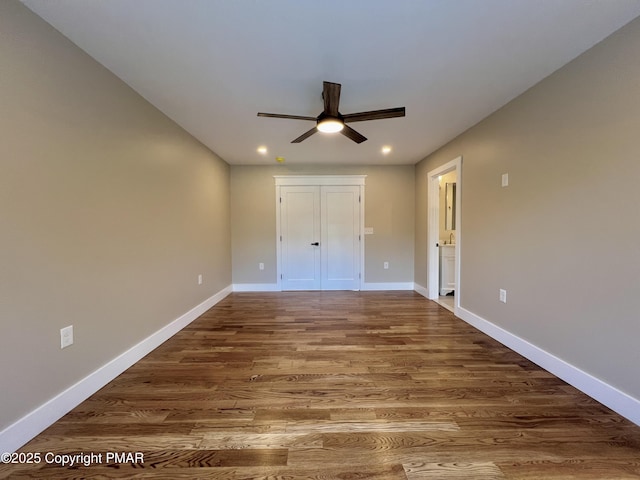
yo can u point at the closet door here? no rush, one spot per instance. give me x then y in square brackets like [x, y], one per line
[300, 237]
[340, 244]
[320, 237]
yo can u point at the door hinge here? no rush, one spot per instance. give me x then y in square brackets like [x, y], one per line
[280, 199]
[359, 198]
[280, 276]
[360, 238]
[359, 276]
[280, 237]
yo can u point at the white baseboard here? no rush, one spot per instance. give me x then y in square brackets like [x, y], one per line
[23, 430]
[388, 286]
[616, 400]
[273, 287]
[421, 290]
[255, 287]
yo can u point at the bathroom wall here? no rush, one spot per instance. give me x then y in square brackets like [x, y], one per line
[445, 235]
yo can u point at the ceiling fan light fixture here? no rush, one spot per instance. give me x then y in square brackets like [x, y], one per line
[330, 125]
[332, 121]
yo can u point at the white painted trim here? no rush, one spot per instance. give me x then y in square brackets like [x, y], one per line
[388, 286]
[256, 287]
[616, 400]
[278, 239]
[311, 180]
[459, 237]
[433, 226]
[421, 290]
[23, 430]
[362, 242]
[433, 232]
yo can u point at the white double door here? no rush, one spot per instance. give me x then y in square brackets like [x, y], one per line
[320, 237]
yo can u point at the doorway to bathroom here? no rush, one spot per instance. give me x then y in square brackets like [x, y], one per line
[444, 234]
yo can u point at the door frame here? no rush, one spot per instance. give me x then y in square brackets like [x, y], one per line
[317, 180]
[433, 226]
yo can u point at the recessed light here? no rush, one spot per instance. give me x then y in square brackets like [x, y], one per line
[262, 150]
[386, 149]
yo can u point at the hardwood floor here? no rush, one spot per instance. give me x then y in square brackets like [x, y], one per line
[337, 385]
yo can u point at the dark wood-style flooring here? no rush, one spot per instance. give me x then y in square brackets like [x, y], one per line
[339, 385]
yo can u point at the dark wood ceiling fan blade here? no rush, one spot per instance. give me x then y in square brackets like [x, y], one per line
[331, 96]
[305, 135]
[291, 117]
[352, 134]
[374, 115]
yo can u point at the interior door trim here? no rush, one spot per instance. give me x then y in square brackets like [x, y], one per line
[433, 222]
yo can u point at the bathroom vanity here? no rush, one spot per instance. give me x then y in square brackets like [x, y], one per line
[447, 268]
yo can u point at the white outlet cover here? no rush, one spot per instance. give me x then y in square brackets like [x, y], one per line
[66, 336]
[505, 179]
[503, 296]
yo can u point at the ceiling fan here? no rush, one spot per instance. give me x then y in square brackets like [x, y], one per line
[332, 121]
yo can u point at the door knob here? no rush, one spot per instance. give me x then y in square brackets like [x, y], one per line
[315, 244]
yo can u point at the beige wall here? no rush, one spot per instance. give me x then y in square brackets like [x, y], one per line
[108, 212]
[563, 238]
[389, 209]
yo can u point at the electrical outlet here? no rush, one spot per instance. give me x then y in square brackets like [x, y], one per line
[261, 266]
[505, 179]
[200, 279]
[503, 296]
[386, 265]
[66, 336]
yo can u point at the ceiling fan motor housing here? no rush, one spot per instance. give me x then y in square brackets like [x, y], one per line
[330, 123]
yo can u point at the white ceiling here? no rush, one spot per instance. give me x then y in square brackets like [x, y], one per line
[211, 65]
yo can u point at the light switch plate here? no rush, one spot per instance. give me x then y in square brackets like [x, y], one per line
[505, 179]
